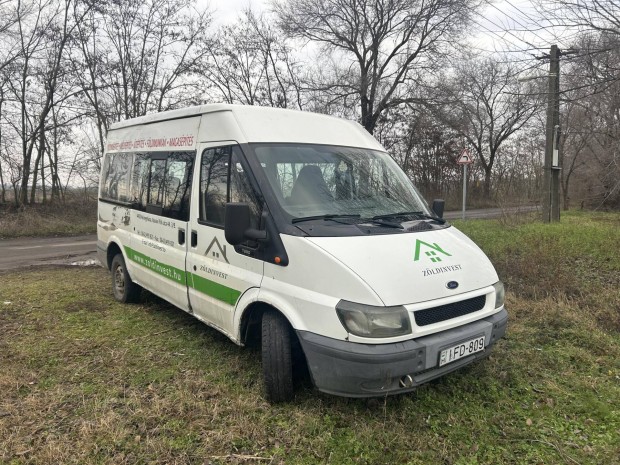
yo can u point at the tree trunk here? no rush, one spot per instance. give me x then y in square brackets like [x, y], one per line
[43, 191]
[35, 172]
[2, 189]
[487, 182]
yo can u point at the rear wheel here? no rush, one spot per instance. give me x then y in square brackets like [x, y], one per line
[276, 356]
[125, 290]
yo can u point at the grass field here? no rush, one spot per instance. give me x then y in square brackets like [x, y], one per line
[84, 379]
[76, 216]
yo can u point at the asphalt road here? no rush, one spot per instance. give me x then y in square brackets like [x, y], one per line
[81, 250]
[31, 251]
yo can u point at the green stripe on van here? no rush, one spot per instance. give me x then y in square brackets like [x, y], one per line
[167, 271]
[216, 290]
[211, 288]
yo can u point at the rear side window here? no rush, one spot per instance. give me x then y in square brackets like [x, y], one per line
[140, 180]
[115, 182]
[156, 183]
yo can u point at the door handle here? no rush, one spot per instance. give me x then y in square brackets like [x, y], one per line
[181, 236]
[194, 238]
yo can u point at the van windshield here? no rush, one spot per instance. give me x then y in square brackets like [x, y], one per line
[319, 180]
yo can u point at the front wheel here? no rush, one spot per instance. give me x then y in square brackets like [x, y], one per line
[125, 290]
[276, 356]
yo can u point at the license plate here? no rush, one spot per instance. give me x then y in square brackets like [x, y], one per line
[458, 351]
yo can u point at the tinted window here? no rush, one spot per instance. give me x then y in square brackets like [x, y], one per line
[161, 186]
[156, 187]
[222, 180]
[140, 181]
[214, 184]
[177, 185]
[116, 177]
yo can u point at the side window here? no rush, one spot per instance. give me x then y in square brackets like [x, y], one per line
[140, 181]
[214, 184]
[116, 177]
[177, 186]
[156, 187]
[222, 180]
[169, 186]
[241, 190]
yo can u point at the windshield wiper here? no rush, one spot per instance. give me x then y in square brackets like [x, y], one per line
[403, 214]
[331, 216]
[384, 222]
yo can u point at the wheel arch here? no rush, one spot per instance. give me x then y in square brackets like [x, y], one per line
[250, 322]
[112, 250]
[255, 304]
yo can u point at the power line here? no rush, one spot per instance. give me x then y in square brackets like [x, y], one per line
[519, 23]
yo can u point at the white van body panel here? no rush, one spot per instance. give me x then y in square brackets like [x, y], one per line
[220, 126]
[308, 289]
[388, 265]
[180, 134]
[260, 124]
[154, 252]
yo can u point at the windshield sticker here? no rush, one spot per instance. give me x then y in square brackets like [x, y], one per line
[432, 254]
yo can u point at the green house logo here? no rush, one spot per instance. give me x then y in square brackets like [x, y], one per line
[432, 251]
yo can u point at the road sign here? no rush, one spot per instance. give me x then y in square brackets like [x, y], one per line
[465, 158]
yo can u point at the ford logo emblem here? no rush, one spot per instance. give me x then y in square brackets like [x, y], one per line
[452, 284]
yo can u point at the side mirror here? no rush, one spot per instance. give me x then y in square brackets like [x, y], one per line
[438, 205]
[237, 224]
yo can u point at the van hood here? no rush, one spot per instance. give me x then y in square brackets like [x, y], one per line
[416, 267]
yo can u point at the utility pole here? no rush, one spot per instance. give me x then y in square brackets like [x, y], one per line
[551, 190]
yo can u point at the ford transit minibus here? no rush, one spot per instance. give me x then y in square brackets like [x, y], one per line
[299, 230]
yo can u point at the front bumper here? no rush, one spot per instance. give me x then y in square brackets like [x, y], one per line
[368, 370]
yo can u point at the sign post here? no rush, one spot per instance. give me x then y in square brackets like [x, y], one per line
[465, 159]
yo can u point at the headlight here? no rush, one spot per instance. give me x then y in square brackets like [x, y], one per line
[500, 294]
[369, 321]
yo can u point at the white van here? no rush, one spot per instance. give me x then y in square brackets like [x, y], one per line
[299, 230]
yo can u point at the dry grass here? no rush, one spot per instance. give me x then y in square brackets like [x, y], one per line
[87, 380]
[76, 216]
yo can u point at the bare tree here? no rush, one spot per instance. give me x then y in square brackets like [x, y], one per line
[251, 63]
[385, 45]
[154, 45]
[38, 66]
[601, 16]
[2, 188]
[138, 57]
[9, 16]
[486, 107]
[591, 120]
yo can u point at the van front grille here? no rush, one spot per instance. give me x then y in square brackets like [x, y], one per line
[429, 316]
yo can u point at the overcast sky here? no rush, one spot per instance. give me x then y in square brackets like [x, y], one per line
[490, 25]
[226, 11]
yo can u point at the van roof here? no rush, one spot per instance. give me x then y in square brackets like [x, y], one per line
[203, 109]
[262, 124]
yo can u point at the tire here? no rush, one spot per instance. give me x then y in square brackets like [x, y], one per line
[125, 290]
[276, 356]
